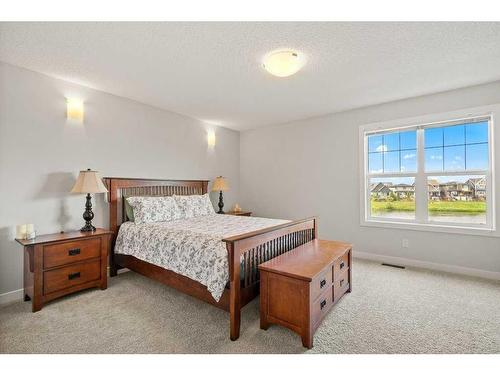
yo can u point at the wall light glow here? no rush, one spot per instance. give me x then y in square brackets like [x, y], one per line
[211, 138]
[74, 109]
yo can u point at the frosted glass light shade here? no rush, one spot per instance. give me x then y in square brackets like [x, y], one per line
[89, 182]
[74, 109]
[284, 63]
[211, 138]
[220, 184]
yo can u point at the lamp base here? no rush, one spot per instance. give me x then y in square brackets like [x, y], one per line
[221, 204]
[88, 227]
[88, 215]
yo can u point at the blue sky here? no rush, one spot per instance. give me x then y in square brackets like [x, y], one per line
[451, 148]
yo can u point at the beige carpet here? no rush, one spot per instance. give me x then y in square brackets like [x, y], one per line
[389, 311]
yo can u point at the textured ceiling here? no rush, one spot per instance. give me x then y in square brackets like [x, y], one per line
[212, 71]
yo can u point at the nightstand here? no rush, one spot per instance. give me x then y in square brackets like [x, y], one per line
[64, 263]
[239, 213]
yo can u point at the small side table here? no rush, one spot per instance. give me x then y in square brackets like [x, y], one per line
[64, 263]
[239, 213]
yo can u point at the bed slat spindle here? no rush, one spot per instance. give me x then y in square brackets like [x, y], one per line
[268, 250]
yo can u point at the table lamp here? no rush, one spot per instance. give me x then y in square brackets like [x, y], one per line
[220, 185]
[88, 182]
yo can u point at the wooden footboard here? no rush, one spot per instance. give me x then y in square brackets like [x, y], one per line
[247, 251]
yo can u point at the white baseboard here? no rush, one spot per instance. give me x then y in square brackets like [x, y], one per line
[15, 295]
[428, 265]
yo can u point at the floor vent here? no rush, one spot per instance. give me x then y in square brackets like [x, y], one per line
[393, 265]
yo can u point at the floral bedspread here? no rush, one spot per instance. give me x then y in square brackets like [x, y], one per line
[191, 247]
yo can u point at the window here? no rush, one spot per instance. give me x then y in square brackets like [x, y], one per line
[435, 174]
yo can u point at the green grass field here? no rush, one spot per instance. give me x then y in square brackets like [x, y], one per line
[435, 207]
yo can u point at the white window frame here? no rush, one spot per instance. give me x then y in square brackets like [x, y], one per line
[421, 221]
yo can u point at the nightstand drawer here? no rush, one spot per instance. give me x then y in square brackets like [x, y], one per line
[69, 276]
[70, 252]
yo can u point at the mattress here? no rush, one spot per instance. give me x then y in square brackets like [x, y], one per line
[190, 247]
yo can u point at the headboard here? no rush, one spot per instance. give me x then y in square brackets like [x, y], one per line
[120, 188]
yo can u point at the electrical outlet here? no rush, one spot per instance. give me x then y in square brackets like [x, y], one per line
[405, 243]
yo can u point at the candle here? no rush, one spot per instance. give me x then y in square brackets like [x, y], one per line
[21, 231]
[25, 231]
[30, 231]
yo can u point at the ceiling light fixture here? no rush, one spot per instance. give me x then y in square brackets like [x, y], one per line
[284, 63]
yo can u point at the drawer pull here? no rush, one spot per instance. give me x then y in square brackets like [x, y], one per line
[74, 275]
[72, 252]
[322, 304]
[322, 283]
[341, 282]
[342, 265]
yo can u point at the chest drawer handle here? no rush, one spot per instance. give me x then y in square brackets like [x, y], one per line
[322, 304]
[342, 265]
[322, 283]
[74, 275]
[72, 252]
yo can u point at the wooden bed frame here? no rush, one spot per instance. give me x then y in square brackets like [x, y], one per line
[253, 248]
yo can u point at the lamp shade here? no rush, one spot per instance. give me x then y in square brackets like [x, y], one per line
[89, 182]
[220, 184]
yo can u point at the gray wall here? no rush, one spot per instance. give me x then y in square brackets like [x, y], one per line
[310, 167]
[41, 154]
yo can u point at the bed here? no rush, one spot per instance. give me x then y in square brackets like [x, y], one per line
[214, 259]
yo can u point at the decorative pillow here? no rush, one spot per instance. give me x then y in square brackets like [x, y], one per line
[129, 211]
[153, 209]
[194, 205]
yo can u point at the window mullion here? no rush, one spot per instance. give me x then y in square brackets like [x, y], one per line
[420, 181]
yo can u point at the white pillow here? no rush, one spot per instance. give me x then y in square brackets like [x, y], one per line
[153, 209]
[194, 205]
[206, 206]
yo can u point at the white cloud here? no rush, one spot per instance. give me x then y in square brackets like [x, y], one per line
[409, 156]
[382, 148]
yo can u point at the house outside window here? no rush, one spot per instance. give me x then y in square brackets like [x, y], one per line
[429, 174]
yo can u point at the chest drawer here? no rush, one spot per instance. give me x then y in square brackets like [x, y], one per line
[340, 265]
[69, 276]
[340, 285]
[70, 252]
[322, 305]
[321, 283]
